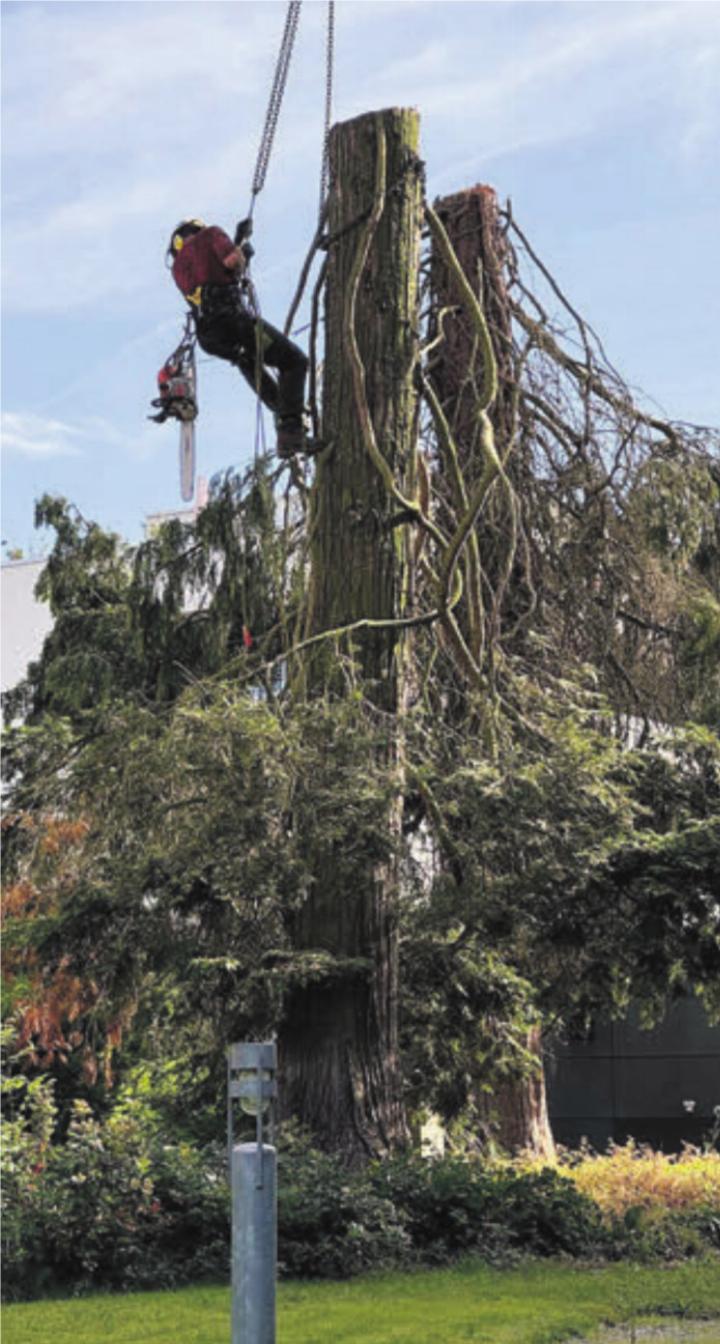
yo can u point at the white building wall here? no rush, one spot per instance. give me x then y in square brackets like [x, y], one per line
[25, 621]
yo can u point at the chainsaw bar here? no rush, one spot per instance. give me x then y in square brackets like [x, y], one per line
[187, 460]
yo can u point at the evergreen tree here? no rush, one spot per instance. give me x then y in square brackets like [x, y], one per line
[396, 738]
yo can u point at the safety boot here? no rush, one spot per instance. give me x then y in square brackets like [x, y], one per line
[292, 439]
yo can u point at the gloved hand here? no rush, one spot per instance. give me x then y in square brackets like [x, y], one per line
[242, 231]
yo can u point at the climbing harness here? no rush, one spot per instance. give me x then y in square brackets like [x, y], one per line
[177, 400]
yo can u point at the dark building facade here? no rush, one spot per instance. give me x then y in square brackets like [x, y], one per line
[658, 1087]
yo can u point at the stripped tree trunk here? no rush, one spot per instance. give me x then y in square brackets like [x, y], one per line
[471, 221]
[516, 1114]
[339, 1049]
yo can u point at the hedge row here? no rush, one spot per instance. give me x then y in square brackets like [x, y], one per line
[113, 1206]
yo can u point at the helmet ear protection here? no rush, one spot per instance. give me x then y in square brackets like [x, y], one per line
[185, 229]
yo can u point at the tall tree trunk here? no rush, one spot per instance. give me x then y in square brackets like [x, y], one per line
[515, 1115]
[471, 221]
[339, 1048]
[472, 225]
[517, 1112]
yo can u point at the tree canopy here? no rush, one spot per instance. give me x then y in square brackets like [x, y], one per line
[176, 782]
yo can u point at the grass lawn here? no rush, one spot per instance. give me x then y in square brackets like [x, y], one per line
[535, 1304]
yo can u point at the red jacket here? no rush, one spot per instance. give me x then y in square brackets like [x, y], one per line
[200, 261]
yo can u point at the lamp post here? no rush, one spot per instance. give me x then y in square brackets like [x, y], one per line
[253, 1174]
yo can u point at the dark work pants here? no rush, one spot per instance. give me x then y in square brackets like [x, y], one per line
[225, 328]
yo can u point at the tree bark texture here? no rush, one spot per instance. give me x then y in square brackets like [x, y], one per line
[517, 1112]
[515, 1116]
[339, 1047]
[472, 222]
[473, 227]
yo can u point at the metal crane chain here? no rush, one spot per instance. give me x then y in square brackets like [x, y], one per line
[329, 62]
[276, 97]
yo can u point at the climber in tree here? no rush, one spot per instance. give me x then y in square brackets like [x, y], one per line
[207, 267]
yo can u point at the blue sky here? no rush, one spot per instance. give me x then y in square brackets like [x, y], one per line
[600, 121]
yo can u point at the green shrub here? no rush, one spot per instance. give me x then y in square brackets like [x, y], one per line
[331, 1223]
[110, 1207]
[651, 1234]
[114, 1206]
[452, 1205]
[26, 1142]
[444, 1208]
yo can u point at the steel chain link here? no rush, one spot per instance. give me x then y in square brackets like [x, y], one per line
[329, 63]
[276, 97]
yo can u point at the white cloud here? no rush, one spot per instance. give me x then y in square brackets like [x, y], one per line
[86, 73]
[154, 113]
[120, 118]
[698, 93]
[34, 436]
[550, 72]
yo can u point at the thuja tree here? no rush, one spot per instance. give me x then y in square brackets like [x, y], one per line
[333, 957]
[445, 643]
[339, 1049]
[578, 560]
[515, 1110]
[88, 842]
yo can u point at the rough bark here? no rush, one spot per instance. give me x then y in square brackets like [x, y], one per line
[517, 1113]
[471, 221]
[339, 1049]
[472, 224]
[516, 1116]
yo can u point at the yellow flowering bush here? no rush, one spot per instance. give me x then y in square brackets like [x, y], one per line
[636, 1176]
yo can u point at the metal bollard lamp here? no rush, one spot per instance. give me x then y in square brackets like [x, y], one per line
[252, 1069]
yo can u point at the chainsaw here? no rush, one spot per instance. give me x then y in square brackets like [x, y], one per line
[177, 400]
